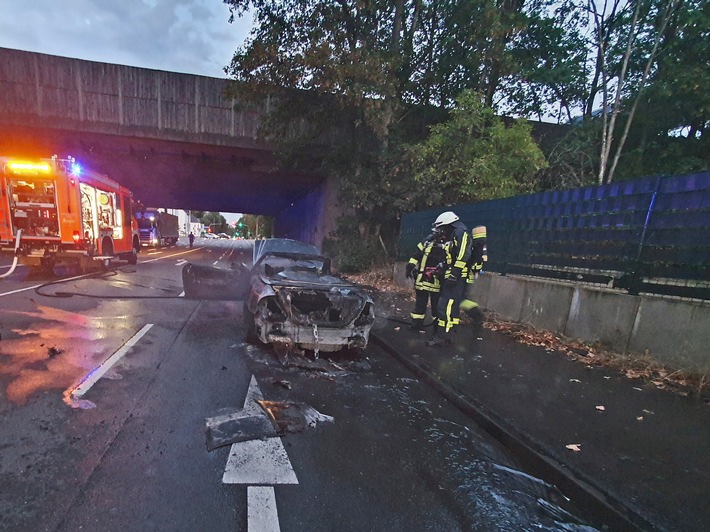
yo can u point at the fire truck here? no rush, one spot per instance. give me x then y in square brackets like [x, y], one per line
[53, 211]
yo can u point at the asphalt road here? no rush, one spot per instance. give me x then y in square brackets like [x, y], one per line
[106, 381]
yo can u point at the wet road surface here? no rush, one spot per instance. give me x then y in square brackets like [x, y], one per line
[130, 453]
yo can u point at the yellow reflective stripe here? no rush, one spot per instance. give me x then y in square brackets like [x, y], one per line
[449, 306]
[462, 248]
[417, 316]
[423, 285]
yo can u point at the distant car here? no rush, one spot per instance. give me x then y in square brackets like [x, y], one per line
[210, 235]
[294, 302]
[222, 235]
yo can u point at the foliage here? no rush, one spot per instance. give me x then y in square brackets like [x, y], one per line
[352, 254]
[255, 226]
[350, 89]
[474, 156]
[215, 221]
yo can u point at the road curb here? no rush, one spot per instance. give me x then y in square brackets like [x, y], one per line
[608, 512]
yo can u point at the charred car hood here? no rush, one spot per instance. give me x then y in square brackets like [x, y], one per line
[298, 279]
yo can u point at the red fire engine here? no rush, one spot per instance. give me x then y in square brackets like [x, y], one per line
[53, 211]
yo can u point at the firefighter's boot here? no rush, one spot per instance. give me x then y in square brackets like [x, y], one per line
[439, 338]
[417, 325]
[436, 338]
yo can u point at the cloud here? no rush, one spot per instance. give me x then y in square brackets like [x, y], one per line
[191, 36]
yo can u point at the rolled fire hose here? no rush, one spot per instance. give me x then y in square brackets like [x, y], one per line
[14, 261]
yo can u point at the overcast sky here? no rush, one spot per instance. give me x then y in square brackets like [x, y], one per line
[190, 36]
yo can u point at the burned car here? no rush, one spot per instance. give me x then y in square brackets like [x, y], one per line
[294, 302]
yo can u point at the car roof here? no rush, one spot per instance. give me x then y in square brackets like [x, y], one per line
[283, 245]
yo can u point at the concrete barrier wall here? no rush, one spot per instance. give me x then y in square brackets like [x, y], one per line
[674, 332]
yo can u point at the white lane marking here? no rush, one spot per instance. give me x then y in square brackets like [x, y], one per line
[182, 294]
[262, 515]
[99, 371]
[261, 462]
[38, 285]
[180, 262]
[215, 263]
[168, 256]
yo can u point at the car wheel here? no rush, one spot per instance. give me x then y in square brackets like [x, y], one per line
[249, 327]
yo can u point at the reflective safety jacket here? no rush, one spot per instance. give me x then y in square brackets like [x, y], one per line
[428, 256]
[458, 251]
[479, 252]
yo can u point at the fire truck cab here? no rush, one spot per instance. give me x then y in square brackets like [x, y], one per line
[62, 213]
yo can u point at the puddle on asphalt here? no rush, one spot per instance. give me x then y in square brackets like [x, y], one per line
[57, 350]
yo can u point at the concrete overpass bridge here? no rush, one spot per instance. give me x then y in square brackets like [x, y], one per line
[173, 139]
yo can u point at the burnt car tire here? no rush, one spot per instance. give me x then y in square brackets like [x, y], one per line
[249, 327]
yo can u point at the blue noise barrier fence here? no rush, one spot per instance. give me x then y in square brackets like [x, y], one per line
[649, 235]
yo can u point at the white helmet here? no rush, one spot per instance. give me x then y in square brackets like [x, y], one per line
[445, 218]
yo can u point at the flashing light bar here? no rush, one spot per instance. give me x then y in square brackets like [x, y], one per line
[29, 168]
[76, 168]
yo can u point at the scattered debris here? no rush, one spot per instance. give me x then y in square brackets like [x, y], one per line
[53, 352]
[235, 427]
[283, 383]
[600, 408]
[576, 447]
[293, 417]
[275, 419]
[397, 329]
[575, 380]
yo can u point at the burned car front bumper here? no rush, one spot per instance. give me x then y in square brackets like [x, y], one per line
[319, 320]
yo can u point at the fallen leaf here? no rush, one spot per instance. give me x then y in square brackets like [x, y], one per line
[397, 328]
[639, 418]
[576, 447]
[638, 389]
[600, 407]
[575, 380]
[647, 411]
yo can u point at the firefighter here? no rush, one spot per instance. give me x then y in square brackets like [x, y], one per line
[191, 237]
[423, 268]
[458, 253]
[479, 257]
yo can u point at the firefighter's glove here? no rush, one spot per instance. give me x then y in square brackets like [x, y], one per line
[409, 272]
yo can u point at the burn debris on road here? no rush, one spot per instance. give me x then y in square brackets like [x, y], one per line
[279, 418]
[235, 427]
[293, 417]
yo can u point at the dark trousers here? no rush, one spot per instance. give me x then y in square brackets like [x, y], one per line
[449, 311]
[421, 300]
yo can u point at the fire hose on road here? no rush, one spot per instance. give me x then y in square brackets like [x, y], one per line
[14, 260]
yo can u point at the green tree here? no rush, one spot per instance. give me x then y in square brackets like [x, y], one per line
[255, 226]
[474, 156]
[348, 84]
[214, 220]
